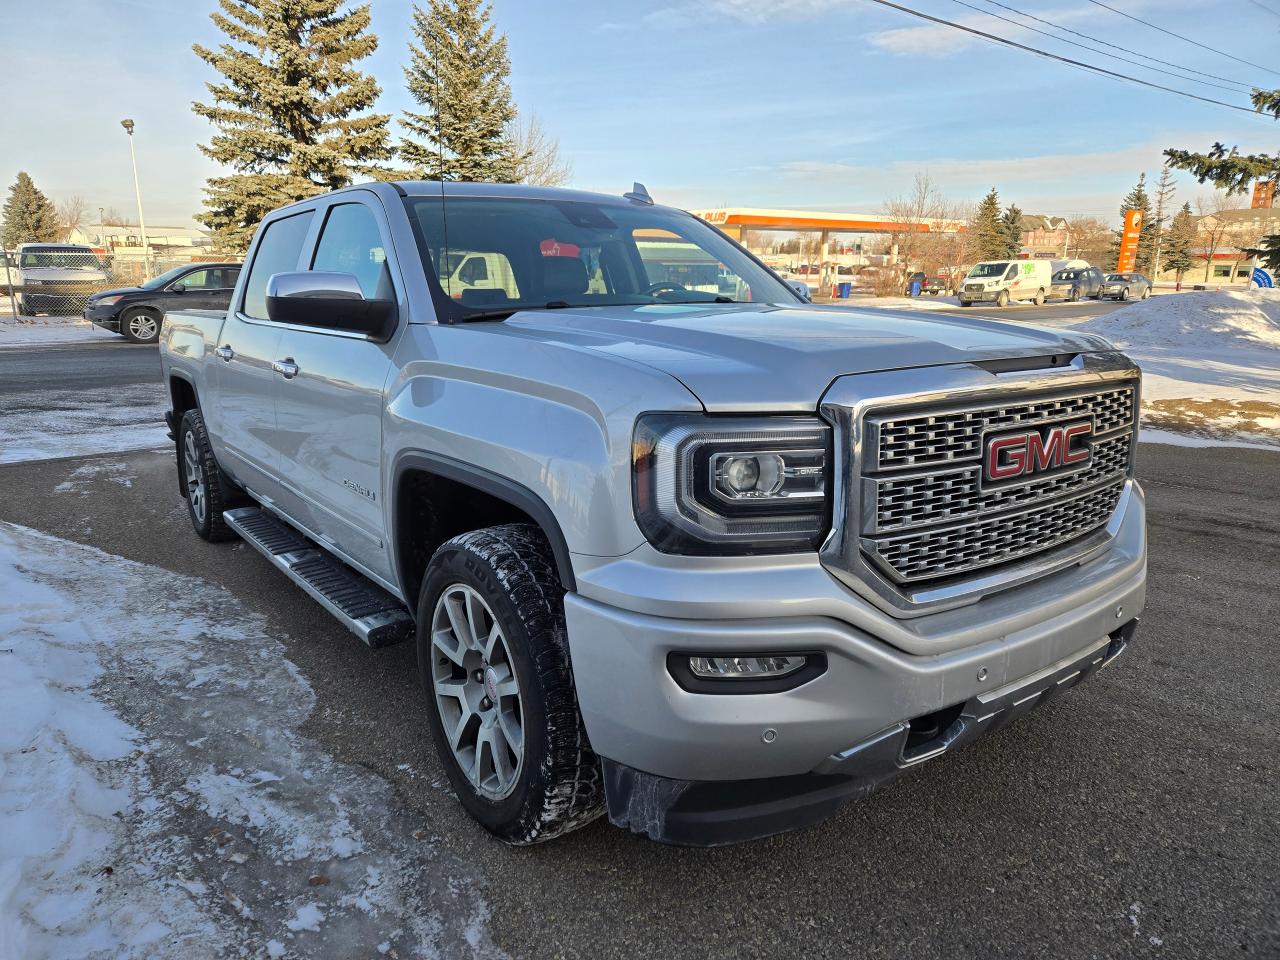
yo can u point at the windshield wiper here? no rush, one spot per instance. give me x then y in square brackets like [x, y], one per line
[506, 312]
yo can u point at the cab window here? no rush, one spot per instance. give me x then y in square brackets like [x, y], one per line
[278, 252]
[351, 243]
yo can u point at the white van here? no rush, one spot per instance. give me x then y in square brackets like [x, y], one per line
[1000, 281]
[465, 270]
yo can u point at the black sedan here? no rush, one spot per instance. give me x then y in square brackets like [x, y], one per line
[137, 312]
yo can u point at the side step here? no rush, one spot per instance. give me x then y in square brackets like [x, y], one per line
[367, 610]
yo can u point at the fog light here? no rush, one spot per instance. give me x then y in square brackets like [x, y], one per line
[745, 668]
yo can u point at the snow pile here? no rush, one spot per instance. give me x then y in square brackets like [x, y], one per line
[157, 801]
[1196, 323]
[43, 333]
[54, 422]
[1210, 362]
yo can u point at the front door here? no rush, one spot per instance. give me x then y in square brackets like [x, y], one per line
[240, 373]
[329, 413]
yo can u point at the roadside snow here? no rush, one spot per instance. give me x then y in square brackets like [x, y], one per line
[47, 332]
[46, 423]
[1210, 361]
[157, 801]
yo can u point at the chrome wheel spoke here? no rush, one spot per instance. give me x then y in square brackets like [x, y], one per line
[476, 693]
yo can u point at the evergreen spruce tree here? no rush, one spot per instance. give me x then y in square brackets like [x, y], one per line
[989, 239]
[1139, 199]
[1180, 241]
[29, 216]
[458, 71]
[1165, 189]
[292, 112]
[1011, 228]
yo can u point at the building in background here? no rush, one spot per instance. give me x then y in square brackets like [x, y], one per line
[1044, 237]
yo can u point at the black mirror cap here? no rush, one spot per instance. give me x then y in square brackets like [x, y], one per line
[374, 318]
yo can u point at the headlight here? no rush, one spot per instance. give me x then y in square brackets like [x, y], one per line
[106, 301]
[720, 485]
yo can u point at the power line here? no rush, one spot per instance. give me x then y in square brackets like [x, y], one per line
[1147, 23]
[1061, 59]
[1271, 10]
[1054, 37]
[1113, 46]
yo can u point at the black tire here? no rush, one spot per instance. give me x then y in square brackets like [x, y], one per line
[24, 308]
[1074, 296]
[966, 303]
[1146, 293]
[1038, 299]
[146, 321]
[216, 488]
[559, 786]
[1124, 294]
[1002, 298]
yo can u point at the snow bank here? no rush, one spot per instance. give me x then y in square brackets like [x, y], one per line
[1210, 361]
[55, 422]
[43, 333]
[157, 801]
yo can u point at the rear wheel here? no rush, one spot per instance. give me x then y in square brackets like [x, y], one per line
[1038, 299]
[205, 488]
[494, 659]
[141, 325]
[1146, 292]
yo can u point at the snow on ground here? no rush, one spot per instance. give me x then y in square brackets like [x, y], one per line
[157, 800]
[44, 332]
[53, 422]
[1210, 362]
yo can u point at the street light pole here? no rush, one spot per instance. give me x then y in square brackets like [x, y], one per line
[137, 191]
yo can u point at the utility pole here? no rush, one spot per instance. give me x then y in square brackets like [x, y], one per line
[137, 191]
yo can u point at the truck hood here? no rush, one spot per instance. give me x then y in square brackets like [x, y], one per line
[759, 357]
[58, 274]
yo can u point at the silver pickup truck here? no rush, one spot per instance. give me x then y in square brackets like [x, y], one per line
[672, 542]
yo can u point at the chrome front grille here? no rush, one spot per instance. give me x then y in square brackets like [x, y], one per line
[920, 440]
[927, 514]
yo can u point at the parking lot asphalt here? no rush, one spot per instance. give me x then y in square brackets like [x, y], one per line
[1134, 817]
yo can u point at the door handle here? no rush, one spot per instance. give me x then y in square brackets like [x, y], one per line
[286, 368]
[225, 352]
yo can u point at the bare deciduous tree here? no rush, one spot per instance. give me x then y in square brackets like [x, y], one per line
[929, 238]
[1213, 227]
[71, 214]
[112, 218]
[1088, 238]
[542, 165]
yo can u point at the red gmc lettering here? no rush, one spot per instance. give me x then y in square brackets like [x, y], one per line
[1032, 452]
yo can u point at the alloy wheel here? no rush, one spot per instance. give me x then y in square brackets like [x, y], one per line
[477, 693]
[143, 326]
[196, 492]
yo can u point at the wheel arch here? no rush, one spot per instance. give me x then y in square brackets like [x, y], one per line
[474, 493]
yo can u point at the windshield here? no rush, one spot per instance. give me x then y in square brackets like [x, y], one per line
[1116, 276]
[155, 283]
[989, 269]
[507, 254]
[1067, 275]
[59, 259]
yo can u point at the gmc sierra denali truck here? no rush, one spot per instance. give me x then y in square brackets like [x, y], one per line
[713, 563]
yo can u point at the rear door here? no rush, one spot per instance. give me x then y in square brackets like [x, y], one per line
[329, 415]
[240, 375]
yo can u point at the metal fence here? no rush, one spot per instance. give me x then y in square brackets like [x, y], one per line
[48, 281]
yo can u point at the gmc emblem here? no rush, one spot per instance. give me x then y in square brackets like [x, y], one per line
[1014, 455]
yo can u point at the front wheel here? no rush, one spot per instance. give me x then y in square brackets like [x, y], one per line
[1002, 299]
[966, 303]
[1074, 296]
[494, 659]
[141, 326]
[1124, 294]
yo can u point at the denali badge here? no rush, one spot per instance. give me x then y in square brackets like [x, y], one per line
[1036, 451]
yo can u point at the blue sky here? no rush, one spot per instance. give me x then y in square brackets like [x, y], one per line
[818, 104]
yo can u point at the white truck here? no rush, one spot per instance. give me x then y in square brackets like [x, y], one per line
[999, 281]
[714, 564]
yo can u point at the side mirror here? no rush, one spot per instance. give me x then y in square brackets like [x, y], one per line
[332, 301]
[801, 288]
[178, 287]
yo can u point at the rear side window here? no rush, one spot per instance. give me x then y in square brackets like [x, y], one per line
[278, 252]
[351, 243]
[227, 278]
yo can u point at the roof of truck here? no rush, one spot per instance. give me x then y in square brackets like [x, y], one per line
[431, 188]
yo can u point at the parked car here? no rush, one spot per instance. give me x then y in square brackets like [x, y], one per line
[712, 566]
[931, 285]
[57, 277]
[1076, 283]
[1126, 286]
[138, 312]
[1000, 281]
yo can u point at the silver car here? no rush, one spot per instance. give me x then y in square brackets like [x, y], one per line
[1126, 286]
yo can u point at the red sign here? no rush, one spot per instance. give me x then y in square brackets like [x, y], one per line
[554, 248]
[1128, 259]
[1018, 454]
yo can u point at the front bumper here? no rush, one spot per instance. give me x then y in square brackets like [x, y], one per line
[105, 316]
[882, 671]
